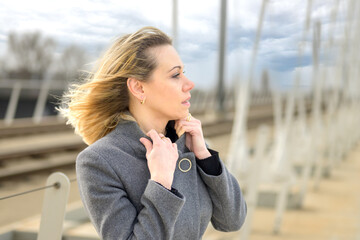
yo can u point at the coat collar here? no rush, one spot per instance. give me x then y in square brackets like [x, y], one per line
[130, 132]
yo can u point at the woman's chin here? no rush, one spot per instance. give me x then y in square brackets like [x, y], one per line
[181, 114]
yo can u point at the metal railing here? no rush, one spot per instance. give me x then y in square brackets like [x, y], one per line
[56, 195]
[201, 101]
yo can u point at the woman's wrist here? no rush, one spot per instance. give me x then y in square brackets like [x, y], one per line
[164, 182]
[203, 154]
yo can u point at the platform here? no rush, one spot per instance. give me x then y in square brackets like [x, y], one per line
[332, 212]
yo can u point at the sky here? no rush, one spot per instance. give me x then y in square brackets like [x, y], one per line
[94, 24]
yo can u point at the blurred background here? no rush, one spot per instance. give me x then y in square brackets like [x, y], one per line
[276, 87]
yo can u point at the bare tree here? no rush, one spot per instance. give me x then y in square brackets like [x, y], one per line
[70, 63]
[29, 55]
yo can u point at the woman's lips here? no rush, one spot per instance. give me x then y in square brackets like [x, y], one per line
[186, 102]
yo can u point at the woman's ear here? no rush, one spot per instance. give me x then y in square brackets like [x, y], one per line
[136, 88]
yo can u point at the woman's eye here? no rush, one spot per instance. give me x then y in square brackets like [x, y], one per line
[177, 75]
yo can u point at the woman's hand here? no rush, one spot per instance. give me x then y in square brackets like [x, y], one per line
[194, 136]
[161, 156]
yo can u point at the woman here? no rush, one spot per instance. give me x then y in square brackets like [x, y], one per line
[147, 172]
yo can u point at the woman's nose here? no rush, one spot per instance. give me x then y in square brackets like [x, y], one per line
[188, 85]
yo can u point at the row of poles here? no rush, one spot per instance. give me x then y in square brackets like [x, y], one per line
[220, 94]
[314, 143]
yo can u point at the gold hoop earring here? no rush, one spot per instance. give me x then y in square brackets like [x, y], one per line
[143, 100]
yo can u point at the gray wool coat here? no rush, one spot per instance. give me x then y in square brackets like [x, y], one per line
[123, 203]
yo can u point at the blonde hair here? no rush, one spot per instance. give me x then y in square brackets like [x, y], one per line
[97, 105]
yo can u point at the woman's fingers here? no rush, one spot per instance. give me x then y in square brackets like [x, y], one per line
[190, 127]
[162, 137]
[162, 158]
[179, 126]
[180, 131]
[147, 144]
[195, 142]
[154, 136]
[165, 139]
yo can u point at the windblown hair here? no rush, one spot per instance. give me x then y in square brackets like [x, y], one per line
[97, 105]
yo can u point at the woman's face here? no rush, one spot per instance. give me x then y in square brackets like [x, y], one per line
[167, 90]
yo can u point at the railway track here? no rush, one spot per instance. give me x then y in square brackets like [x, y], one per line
[24, 127]
[22, 156]
[51, 146]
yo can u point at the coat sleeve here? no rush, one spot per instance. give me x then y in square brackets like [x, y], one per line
[229, 206]
[113, 214]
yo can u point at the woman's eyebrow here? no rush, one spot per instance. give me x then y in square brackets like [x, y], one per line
[174, 68]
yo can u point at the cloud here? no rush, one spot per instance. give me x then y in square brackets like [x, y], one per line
[68, 20]
[93, 24]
